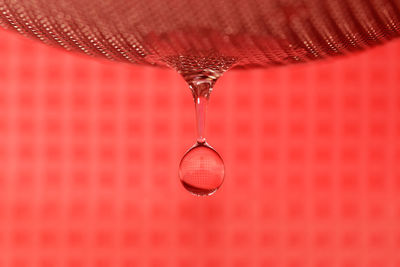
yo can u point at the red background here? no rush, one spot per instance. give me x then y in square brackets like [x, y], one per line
[89, 152]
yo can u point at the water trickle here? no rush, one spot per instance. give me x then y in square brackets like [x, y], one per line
[201, 169]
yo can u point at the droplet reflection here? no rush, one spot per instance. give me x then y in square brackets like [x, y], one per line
[202, 170]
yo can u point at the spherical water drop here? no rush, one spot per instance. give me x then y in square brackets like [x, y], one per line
[201, 170]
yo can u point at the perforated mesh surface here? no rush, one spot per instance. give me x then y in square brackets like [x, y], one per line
[89, 153]
[261, 33]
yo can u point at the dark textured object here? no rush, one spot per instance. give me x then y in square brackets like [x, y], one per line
[215, 34]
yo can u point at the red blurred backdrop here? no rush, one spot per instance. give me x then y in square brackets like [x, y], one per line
[89, 152]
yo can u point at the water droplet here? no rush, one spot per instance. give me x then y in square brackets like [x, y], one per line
[201, 170]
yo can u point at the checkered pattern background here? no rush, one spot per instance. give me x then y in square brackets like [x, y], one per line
[89, 152]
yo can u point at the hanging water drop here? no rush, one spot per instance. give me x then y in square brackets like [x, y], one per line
[201, 169]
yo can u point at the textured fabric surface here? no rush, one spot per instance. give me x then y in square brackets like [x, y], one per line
[89, 155]
[252, 32]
